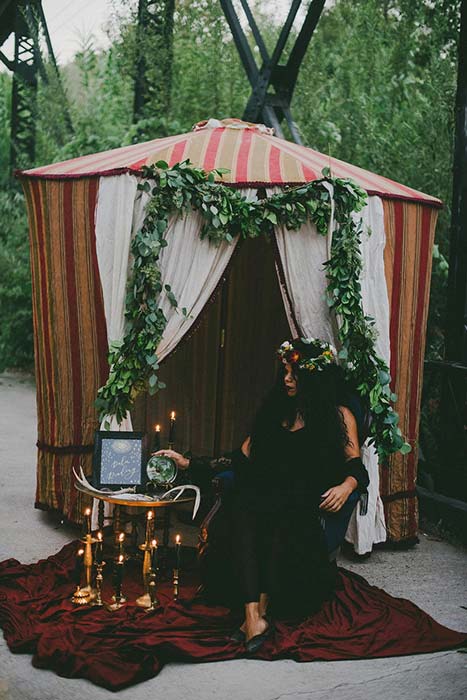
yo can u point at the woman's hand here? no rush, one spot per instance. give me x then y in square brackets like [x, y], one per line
[181, 461]
[335, 497]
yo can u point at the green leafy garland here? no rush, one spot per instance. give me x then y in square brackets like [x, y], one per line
[227, 214]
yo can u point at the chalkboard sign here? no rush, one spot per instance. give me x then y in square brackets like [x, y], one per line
[119, 459]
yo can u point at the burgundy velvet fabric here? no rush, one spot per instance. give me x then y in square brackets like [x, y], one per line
[119, 649]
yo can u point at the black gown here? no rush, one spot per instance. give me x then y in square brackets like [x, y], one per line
[269, 538]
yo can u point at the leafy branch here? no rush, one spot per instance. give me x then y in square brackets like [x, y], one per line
[357, 333]
[227, 214]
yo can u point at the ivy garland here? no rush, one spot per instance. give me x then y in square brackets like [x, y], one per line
[227, 214]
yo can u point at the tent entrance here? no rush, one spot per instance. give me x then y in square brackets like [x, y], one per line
[218, 375]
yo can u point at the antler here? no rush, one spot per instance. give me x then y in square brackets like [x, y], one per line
[182, 488]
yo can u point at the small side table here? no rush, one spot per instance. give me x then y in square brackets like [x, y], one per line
[163, 506]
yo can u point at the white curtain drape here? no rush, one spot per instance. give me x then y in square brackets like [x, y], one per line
[191, 266]
[366, 530]
[302, 254]
[113, 227]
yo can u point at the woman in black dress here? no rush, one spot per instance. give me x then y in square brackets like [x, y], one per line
[302, 459]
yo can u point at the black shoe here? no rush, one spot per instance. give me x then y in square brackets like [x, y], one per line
[256, 642]
[237, 636]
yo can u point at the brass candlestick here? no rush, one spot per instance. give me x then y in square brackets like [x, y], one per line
[144, 601]
[152, 591]
[177, 567]
[176, 582]
[149, 547]
[88, 541]
[98, 602]
[79, 597]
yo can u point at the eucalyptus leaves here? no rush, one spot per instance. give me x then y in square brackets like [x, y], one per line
[227, 214]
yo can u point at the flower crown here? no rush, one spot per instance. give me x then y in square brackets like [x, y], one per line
[328, 355]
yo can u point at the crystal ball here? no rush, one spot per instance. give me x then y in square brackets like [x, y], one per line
[161, 470]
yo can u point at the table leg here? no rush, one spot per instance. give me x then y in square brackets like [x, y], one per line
[166, 523]
[100, 515]
[134, 535]
[164, 550]
[117, 523]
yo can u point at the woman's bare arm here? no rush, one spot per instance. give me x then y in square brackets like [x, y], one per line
[335, 497]
[246, 447]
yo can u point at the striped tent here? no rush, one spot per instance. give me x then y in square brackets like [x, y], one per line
[69, 324]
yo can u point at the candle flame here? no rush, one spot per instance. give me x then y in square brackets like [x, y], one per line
[121, 537]
[172, 415]
[120, 558]
[80, 552]
[177, 539]
[87, 511]
[149, 515]
[153, 543]
[99, 536]
[158, 428]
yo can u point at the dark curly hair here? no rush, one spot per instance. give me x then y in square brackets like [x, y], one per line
[319, 394]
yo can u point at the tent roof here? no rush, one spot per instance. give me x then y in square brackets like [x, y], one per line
[253, 155]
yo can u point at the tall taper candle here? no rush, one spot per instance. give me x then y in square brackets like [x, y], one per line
[154, 555]
[99, 548]
[156, 443]
[121, 540]
[87, 521]
[118, 572]
[172, 428]
[149, 528]
[177, 548]
[78, 566]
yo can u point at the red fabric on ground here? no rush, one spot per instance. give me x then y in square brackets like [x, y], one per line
[119, 649]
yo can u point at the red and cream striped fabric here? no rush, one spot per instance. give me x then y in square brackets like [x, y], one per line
[70, 334]
[410, 232]
[250, 152]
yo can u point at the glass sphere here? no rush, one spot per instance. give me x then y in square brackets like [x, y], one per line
[161, 470]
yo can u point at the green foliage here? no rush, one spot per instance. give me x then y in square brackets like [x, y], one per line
[16, 339]
[376, 88]
[357, 333]
[227, 214]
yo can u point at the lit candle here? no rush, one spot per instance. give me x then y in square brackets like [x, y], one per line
[87, 521]
[156, 444]
[149, 527]
[78, 566]
[121, 539]
[99, 548]
[172, 428]
[177, 549]
[119, 564]
[154, 555]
